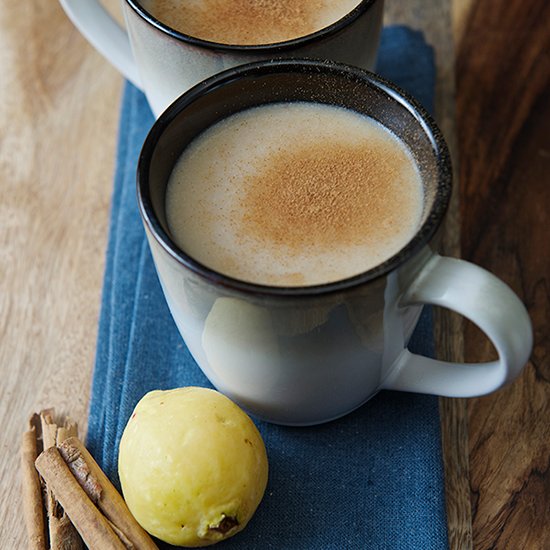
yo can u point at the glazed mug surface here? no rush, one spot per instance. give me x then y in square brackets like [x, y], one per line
[309, 354]
[164, 63]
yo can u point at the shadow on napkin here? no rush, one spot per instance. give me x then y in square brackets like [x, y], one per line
[371, 480]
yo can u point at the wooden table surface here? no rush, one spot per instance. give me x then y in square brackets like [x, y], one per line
[59, 103]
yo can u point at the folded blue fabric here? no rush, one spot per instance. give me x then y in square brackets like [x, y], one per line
[371, 480]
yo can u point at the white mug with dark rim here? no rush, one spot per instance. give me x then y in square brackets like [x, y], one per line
[305, 355]
[164, 62]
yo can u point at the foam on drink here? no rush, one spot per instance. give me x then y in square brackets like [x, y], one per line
[294, 194]
[249, 22]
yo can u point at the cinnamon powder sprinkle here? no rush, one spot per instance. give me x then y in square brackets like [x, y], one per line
[327, 195]
[243, 22]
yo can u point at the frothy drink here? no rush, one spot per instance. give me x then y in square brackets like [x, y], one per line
[294, 194]
[248, 22]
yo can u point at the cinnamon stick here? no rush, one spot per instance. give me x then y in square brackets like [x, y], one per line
[123, 538]
[88, 520]
[49, 428]
[33, 509]
[102, 492]
[62, 534]
[69, 429]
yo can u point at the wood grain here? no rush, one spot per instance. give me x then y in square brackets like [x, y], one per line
[503, 91]
[58, 123]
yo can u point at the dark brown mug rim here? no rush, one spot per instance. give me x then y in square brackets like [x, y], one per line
[422, 236]
[273, 48]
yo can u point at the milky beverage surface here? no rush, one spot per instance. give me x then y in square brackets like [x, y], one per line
[248, 22]
[294, 194]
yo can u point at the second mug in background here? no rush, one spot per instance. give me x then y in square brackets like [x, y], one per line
[165, 62]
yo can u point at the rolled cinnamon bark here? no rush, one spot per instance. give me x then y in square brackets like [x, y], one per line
[99, 488]
[33, 507]
[87, 519]
[62, 534]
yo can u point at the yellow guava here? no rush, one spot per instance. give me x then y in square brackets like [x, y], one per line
[192, 465]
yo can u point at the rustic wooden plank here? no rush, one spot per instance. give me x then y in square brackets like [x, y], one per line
[503, 86]
[58, 122]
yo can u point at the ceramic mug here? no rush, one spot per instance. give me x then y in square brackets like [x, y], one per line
[305, 355]
[164, 62]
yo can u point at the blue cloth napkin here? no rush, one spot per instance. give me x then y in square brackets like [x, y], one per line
[371, 480]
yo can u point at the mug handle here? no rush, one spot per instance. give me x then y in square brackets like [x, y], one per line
[486, 301]
[104, 34]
